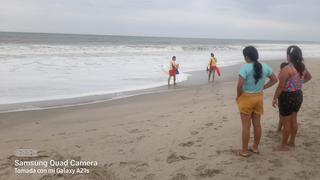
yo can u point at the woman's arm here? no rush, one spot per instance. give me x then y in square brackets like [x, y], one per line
[272, 80]
[239, 86]
[307, 77]
[283, 77]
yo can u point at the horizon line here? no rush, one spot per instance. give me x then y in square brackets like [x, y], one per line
[155, 36]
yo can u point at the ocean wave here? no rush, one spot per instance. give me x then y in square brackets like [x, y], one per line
[22, 50]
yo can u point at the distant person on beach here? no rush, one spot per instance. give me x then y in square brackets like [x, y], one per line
[173, 70]
[251, 83]
[282, 65]
[212, 67]
[288, 95]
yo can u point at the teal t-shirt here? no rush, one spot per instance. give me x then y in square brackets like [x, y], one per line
[247, 72]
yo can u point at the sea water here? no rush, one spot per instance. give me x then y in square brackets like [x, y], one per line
[38, 66]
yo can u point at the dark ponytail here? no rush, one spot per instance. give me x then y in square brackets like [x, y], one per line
[295, 54]
[252, 53]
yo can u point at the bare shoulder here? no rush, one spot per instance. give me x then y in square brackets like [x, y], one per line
[286, 69]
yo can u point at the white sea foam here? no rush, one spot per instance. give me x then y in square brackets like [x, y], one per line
[45, 71]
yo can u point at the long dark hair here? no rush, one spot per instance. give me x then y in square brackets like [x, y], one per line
[252, 53]
[295, 54]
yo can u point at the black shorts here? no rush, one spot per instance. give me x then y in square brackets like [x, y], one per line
[290, 102]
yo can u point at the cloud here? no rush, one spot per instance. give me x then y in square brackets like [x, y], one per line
[249, 19]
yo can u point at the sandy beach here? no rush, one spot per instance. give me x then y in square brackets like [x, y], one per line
[190, 133]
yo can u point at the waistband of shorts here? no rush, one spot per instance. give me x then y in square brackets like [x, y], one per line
[252, 94]
[297, 91]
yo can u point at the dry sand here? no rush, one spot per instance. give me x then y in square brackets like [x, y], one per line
[190, 133]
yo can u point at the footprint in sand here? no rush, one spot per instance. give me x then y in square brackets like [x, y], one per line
[226, 162]
[276, 163]
[13, 140]
[140, 137]
[204, 172]
[164, 115]
[200, 139]
[150, 177]
[91, 130]
[134, 131]
[187, 144]
[272, 134]
[194, 132]
[180, 176]
[209, 124]
[274, 178]
[307, 144]
[135, 166]
[228, 151]
[303, 174]
[141, 167]
[175, 158]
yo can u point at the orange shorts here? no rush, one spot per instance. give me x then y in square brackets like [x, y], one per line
[249, 103]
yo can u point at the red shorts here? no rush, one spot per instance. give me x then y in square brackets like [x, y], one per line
[216, 69]
[172, 72]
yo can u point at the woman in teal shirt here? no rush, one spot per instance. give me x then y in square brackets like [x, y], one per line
[251, 83]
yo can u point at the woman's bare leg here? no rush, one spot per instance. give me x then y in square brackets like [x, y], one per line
[209, 75]
[213, 74]
[169, 80]
[294, 129]
[174, 80]
[280, 123]
[246, 123]
[285, 132]
[257, 130]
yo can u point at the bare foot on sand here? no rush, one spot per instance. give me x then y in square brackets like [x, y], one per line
[243, 154]
[254, 150]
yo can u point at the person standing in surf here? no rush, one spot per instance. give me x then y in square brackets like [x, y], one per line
[173, 70]
[288, 95]
[212, 67]
[251, 83]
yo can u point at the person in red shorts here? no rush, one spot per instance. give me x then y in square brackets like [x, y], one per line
[212, 67]
[173, 70]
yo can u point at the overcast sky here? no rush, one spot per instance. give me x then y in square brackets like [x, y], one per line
[244, 19]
